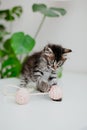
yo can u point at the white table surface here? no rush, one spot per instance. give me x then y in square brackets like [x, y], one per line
[41, 113]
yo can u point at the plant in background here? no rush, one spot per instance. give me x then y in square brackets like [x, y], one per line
[50, 12]
[9, 63]
[18, 44]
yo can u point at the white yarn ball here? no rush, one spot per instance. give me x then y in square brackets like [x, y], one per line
[55, 93]
[22, 96]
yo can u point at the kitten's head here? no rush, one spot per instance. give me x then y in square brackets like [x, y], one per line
[55, 55]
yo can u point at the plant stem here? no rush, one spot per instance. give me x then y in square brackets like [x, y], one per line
[40, 26]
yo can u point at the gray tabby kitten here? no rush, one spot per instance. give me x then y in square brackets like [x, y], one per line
[41, 67]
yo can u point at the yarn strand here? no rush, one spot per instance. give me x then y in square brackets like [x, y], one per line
[7, 93]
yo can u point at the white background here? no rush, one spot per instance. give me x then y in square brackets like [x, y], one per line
[69, 30]
[41, 112]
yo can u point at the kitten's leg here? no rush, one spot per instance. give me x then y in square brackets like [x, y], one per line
[43, 86]
[52, 79]
[24, 81]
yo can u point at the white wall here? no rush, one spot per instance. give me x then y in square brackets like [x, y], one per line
[69, 30]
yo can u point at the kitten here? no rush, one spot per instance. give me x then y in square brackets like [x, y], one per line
[41, 67]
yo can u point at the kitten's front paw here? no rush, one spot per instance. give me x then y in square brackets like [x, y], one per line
[43, 87]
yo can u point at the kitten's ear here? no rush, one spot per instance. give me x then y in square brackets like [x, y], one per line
[66, 50]
[48, 51]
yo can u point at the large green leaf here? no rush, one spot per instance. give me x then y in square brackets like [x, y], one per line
[42, 8]
[10, 61]
[11, 72]
[22, 43]
[11, 66]
[49, 12]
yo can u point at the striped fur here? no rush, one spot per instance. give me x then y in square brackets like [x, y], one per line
[40, 67]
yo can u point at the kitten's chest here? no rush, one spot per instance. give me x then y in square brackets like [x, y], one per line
[46, 74]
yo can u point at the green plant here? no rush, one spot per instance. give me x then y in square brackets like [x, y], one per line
[18, 44]
[8, 60]
[50, 12]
